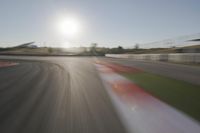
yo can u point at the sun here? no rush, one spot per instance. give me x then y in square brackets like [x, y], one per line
[68, 26]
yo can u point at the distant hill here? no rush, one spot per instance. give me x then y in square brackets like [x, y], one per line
[32, 49]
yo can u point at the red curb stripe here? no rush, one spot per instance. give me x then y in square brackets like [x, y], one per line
[127, 91]
[7, 64]
[120, 68]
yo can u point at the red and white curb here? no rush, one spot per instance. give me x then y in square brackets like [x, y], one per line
[139, 111]
[7, 64]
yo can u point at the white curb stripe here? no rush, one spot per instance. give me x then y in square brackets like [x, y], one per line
[144, 113]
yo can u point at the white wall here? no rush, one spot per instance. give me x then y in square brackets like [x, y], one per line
[177, 57]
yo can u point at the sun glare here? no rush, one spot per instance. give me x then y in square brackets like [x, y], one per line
[68, 26]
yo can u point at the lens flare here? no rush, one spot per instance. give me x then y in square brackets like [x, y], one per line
[68, 26]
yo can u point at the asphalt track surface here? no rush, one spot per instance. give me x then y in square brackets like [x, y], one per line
[66, 94]
[185, 73]
[55, 95]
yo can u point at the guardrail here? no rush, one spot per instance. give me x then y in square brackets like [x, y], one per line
[176, 57]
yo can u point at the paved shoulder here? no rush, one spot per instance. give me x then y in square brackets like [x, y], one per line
[177, 71]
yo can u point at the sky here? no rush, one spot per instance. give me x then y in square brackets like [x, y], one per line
[109, 23]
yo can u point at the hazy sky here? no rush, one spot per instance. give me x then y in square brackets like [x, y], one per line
[107, 22]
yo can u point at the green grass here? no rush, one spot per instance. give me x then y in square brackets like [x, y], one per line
[179, 94]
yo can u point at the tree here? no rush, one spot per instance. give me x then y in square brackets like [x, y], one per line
[93, 48]
[120, 49]
[50, 50]
[136, 46]
[94, 45]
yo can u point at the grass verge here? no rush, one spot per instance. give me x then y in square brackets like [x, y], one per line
[179, 94]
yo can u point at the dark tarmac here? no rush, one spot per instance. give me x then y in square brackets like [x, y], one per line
[55, 95]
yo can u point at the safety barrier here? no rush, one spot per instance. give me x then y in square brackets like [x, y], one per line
[176, 57]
